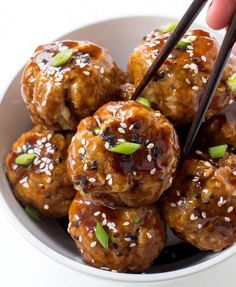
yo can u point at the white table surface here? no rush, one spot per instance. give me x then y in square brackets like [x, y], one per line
[23, 25]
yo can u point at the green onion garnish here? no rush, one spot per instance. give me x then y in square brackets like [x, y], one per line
[125, 148]
[96, 130]
[33, 213]
[217, 151]
[101, 235]
[231, 82]
[25, 158]
[62, 57]
[144, 102]
[184, 42]
[168, 28]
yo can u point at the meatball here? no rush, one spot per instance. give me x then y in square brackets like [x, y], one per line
[116, 178]
[200, 206]
[132, 237]
[180, 83]
[59, 94]
[36, 168]
[220, 129]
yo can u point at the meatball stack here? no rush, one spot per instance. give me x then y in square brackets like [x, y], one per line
[63, 82]
[121, 160]
[116, 175]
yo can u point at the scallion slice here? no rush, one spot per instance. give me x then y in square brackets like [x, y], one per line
[168, 28]
[33, 213]
[217, 151]
[25, 158]
[185, 41]
[96, 130]
[125, 148]
[231, 82]
[102, 235]
[144, 102]
[61, 57]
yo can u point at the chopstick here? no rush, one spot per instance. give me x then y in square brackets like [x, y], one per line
[188, 18]
[212, 85]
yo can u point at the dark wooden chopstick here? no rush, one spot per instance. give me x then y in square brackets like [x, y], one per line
[212, 85]
[188, 18]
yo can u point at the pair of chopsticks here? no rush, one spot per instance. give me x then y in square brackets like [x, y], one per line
[215, 76]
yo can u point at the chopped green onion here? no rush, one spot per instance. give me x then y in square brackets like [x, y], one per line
[25, 158]
[231, 82]
[125, 148]
[61, 57]
[101, 235]
[136, 219]
[184, 42]
[96, 130]
[144, 102]
[217, 151]
[33, 213]
[168, 28]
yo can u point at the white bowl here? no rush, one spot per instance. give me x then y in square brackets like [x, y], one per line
[120, 36]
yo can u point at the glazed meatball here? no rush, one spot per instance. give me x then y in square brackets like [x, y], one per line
[134, 236]
[118, 179]
[180, 83]
[58, 94]
[220, 129]
[200, 206]
[36, 168]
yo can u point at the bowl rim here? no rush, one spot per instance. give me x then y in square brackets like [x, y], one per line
[86, 269]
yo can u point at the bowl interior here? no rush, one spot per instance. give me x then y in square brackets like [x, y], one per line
[120, 36]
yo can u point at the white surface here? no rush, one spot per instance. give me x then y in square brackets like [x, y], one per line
[24, 25]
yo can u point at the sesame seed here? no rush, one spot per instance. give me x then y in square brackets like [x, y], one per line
[149, 157]
[102, 70]
[134, 172]
[108, 176]
[86, 73]
[107, 145]
[46, 206]
[227, 219]
[85, 166]
[121, 140]
[230, 209]
[92, 179]
[42, 165]
[231, 101]
[82, 251]
[80, 238]
[221, 201]
[48, 172]
[234, 172]
[49, 180]
[177, 192]
[51, 166]
[204, 214]
[127, 239]
[193, 217]
[149, 235]
[121, 130]
[203, 58]
[110, 181]
[187, 81]
[131, 127]
[172, 204]
[150, 146]
[152, 171]
[195, 88]
[199, 226]
[123, 125]
[171, 180]
[96, 213]
[126, 223]
[83, 141]
[157, 114]
[132, 244]
[198, 152]
[82, 150]
[205, 190]
[93, 244]
[207, 164]
[195, 179]
[104, 222]
[204, 80]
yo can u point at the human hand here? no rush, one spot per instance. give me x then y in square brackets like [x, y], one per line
[220, 13]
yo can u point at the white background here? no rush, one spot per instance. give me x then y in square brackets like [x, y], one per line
[23, 26]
